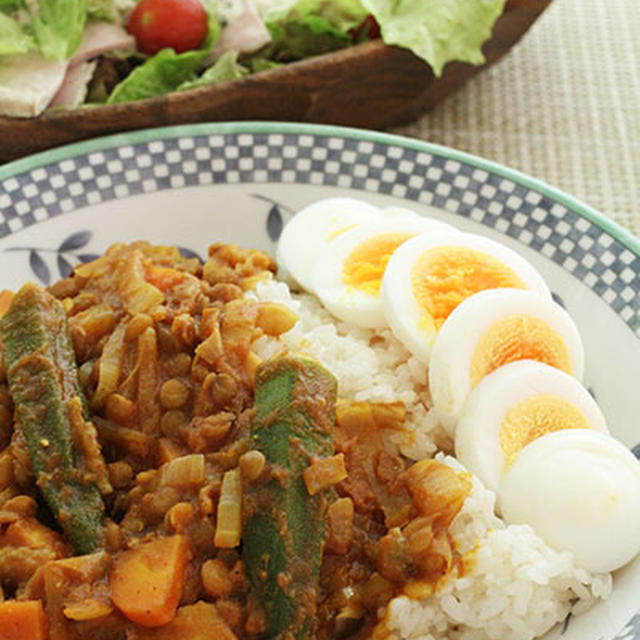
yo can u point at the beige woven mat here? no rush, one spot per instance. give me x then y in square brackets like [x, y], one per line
[563, 106]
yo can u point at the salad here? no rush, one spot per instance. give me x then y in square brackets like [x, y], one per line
[65, 54]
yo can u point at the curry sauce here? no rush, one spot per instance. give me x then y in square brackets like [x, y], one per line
[163, 348]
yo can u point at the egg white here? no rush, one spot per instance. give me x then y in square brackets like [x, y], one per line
[396, 213]
[477, 434]
[580, 490]
[402, 310]
[305, 236]
[450, 379]
[349, 303]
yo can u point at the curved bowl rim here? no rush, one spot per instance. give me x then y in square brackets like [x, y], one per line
[34, 161]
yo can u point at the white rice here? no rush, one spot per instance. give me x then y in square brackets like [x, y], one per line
[369, 365]
[517, 587]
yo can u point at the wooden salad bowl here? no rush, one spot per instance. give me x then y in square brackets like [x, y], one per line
[370, 85]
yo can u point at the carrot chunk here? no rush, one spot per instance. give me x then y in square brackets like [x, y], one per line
[147, 582]
[6, 297]
[21, 620]
[199, 621]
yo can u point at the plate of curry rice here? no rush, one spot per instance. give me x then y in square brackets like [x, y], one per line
[276, 380]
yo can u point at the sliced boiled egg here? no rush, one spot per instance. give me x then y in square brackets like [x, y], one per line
[579, 490]
[312, 228]
[513, 406]
[430, 275]
[349, 271]
[491, 329]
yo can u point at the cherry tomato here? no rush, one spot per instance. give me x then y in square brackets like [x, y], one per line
[179, 24]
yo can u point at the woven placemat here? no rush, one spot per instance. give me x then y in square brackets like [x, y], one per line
[562, 106]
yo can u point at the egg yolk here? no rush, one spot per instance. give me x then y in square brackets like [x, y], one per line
[535, 417]
[518, 337]
[443, 277]
[364, 267]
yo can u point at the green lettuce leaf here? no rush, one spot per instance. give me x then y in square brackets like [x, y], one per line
[106, 10]
[225, 69]
[214, 32]
[58, 26]
[312, 27]
[162, 73]
[13, 38]
[437, 31]
[11, 5]
[262, 64]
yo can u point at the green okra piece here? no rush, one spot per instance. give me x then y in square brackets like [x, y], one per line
[283, 526]
[43, 380]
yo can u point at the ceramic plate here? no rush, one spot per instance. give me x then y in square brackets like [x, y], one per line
[240, 183]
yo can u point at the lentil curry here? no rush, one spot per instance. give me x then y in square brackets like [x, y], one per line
[157, 480]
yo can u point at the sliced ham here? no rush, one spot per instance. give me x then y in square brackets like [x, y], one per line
[28, 83]
[74, 87]
[102, 37]
[245, 32]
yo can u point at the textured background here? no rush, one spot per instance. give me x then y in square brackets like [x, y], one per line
[562, 106]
